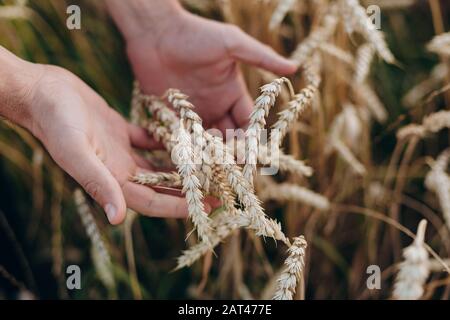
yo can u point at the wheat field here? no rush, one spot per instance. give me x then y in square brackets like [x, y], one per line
[361, 137]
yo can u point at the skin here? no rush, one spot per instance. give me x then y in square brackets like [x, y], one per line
[200, 57]
[168, 48]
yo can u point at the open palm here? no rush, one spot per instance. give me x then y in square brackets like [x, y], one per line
[199, 57]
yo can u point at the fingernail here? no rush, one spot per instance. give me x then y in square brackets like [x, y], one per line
[111, 212]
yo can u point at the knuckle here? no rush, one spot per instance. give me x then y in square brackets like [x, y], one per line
[92, 188]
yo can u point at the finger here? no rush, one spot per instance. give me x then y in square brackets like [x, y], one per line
[150, 203]
[225, 123]
[141, 139]
[87, 169]
[141, 161]
[245, 48]
[213, 202]
[242, 109]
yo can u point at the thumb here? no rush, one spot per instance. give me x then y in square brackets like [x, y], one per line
[87, 169]
[247, 49]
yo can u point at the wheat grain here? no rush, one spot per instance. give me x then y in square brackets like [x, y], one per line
[414, 270]
[370, 99]
[364, 58]
[440, 44]
[263, 103]
[299, 104]
[100, 255]
[282, 9]
[411, 130]
[224, 225]
[245, 194]
[284, 162]
[308, 46]
[391, 4]
[183, 153]
[290, 192]
[347, 155]
[171, 179]
[438, 181]
[437, 121]
[295, 264]
[356, 19]
[430, 124]
[338, 53]
[418, 92]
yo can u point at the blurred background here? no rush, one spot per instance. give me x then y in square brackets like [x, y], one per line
[41, 232]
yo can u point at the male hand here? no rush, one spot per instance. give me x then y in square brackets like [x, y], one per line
[93, 143]
[199, 57]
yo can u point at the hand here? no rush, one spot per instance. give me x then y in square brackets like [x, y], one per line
[94, 144]
[199, 57]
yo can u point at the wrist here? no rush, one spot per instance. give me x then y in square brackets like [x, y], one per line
[136, 18]
[16, 92]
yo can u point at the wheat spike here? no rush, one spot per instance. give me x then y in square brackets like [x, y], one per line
[369, 99]
[299, 104]
[438, 181]
[290, 277]
[364, 58]
[165, 179]
[282, 9]
[308, 46]
[430, 124]
[414, 270]
[263, 103]
[440, 44]
[100, 255]
[183, 153]
[356, 19]
[290, 192]
[338, 53]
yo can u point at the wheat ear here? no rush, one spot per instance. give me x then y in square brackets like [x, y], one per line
[308, 46]
[438, 181]
[356, 19]
[364, 58]
[440, 44]
[184, 156]
[263, 103]
[291, 192]
[282, 9]
[100, 255]
[293, 272]
[414, 270]
[165, 179]
[299, 104]
[430, 124]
